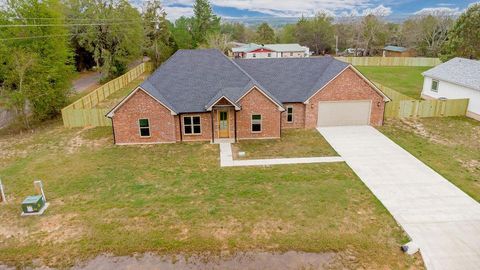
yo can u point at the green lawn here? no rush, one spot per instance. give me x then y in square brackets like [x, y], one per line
[451, 146]
[116, 97]
[174, 198]
[294, 143]
[406, 80]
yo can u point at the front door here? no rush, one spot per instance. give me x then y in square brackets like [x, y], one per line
[223, 124]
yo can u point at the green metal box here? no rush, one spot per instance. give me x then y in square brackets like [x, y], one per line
[33, 204]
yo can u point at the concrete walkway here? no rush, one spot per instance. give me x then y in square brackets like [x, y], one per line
[441, 219]
[226, 159]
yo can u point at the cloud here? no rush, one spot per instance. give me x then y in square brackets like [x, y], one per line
[174, 13]
[437, 11]
[380, 11]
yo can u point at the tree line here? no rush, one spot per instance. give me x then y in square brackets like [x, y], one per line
[43, 42]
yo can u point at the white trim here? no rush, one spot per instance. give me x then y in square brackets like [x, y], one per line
[192, 125]
[280, 106]
[229, 100]
[438, 85]
[286, 110]
[111, 113]
[140, 128]
[385, 98]
[251, 123]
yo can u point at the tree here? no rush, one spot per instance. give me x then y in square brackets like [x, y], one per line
[204, 21]
[217, 41]
[36, 72]
[116, 40]
[236, 31]
[182, 33]
[464, 38]
[287, 34]
[374, 34]
[316, 33]
[265, 34]
[158, 41]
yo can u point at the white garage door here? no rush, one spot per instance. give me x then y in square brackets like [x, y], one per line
[344, 113]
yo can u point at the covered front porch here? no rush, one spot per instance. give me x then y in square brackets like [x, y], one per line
[224, 118]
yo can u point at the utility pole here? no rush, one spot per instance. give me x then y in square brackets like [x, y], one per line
[336, 45]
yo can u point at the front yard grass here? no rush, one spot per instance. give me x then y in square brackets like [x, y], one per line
[450, 146]
[406, 80]
[294, 143]
[174, 198]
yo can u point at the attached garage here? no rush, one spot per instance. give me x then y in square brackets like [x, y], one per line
[344, 113]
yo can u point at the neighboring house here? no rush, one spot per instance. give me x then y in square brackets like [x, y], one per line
[454, 79]
[202, 95]
[253, 50]
[396, 51]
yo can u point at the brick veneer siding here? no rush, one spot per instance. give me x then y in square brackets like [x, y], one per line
[140, 105]
[257, 103]
[298, 116]
[205, 126]
[347, 86]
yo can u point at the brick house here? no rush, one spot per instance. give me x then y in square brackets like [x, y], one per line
[202, 95]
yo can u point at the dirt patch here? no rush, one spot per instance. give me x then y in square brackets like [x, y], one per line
[79, 141]
[419, 129]
[266, 228]
[60, 228]
[244, 260]
[471, 165]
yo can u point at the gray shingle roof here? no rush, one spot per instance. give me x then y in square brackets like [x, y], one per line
[461, 71]
[293, 79]
[192, 79]
[395, 48]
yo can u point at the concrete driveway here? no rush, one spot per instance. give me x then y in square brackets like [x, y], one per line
[441, 219]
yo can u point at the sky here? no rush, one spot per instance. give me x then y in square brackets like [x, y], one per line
[252, 9]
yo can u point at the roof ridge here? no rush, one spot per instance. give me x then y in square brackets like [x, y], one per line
[254, 82]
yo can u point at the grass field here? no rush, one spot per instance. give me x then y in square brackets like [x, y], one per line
[294, 143]
[406, 80]
[174, 198]
[450, 145]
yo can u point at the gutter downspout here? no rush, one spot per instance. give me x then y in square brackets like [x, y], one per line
[113, 131]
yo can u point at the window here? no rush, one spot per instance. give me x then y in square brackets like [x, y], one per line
[254, 55]
[269, 55]
[256, 123]
[191, 125]
[289, 114]
[291, 54]
[434, 86]
[144, 126]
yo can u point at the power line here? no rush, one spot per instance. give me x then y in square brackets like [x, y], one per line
[45, 36]
[65, 25]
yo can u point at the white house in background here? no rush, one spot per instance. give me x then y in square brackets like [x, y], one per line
[253, 50]
[457, 78]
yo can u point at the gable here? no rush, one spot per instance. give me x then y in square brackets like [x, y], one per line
[350, 77]
[261, 95]
[138, 97]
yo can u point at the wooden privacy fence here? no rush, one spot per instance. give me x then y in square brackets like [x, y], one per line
[81, 112]
[392, 94]
[426, 108]
[391, 61]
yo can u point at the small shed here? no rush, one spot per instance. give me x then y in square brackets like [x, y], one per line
[397, 51]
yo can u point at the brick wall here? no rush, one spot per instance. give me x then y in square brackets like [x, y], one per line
[257, 103]
[140, 105]
[298, 116]
[347, 86]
